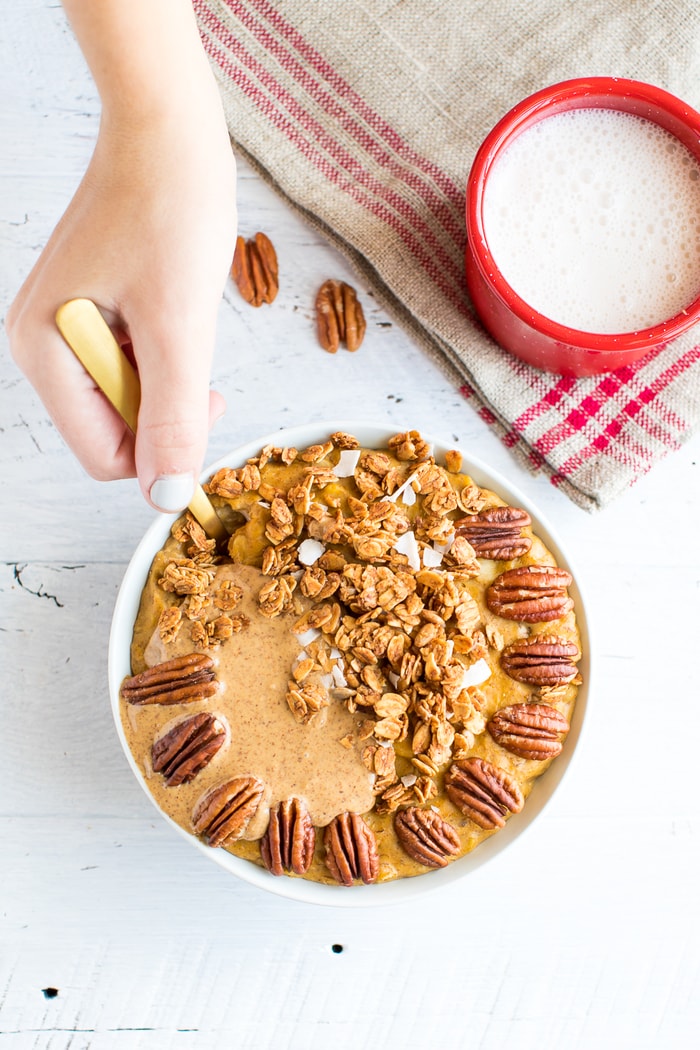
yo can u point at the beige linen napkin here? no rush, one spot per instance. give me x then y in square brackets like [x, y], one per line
[366, 116]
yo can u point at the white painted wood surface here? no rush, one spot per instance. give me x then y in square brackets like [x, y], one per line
[585, 934]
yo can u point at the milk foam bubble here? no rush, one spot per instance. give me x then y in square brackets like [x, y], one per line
[593, 218]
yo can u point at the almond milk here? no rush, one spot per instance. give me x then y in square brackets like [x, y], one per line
[593, 218]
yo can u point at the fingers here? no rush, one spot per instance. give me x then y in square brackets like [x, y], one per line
[217, 407]
[87, 422]
[175, 411]
[176, 420]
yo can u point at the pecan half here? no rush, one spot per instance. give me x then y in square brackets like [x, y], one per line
[183, 751]
[351, 850]
[224, 813]
[531, 594]
[543, 660]
[288, 844]
[339, 316]
[495, 532]
[529, 730]
[482, 791]
[255, 269]
[179, 681]
[426, 837]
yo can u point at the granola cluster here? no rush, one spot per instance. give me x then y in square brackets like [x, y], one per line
[191, 578]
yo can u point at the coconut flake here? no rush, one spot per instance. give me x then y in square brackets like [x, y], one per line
[444, 547]
[431, 558]
[309, 551]
[399, 493]
[477, 673]
[409, 780]
[349, 458]
[408, 496]
[308, 636]
[338, 676]
[408, 545]
[393, 678]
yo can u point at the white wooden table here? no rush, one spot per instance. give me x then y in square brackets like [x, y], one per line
[114, 933]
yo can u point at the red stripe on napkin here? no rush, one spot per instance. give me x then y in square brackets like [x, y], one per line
[417, 163]
[417, 235]
[603, 442]
[584, 414]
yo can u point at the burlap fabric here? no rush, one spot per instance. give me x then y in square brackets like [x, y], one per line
[366, 116]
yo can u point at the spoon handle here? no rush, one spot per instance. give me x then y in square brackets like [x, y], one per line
[90, 338]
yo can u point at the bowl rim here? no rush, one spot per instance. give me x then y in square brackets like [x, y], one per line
[615, 93]
[126, 607]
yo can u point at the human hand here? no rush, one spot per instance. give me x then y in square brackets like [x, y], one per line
[149, 237]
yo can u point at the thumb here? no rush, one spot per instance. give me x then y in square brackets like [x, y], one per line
[173, 418]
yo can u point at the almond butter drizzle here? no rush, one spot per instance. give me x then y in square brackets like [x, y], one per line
[264, 739]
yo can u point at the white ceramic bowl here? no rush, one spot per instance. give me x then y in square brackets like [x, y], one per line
[300, 889]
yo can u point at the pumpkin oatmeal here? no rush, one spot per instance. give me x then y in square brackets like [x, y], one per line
[366, 682]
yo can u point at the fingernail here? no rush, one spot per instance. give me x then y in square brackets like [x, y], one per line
[171, 492]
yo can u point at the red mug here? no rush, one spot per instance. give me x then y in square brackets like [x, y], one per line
[515, 325]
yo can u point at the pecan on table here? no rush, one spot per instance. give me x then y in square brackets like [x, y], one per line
[339, 316]
[482, 791]
[351, 850]
[530, 594]
[426, 837]
[288, 844]
[183, 751]
[255, 270]
[543, 660]
[495, 532]
[182, 680]
[529, 730]
[224, 813]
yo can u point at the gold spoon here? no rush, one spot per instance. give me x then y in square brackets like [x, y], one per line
[90, 338]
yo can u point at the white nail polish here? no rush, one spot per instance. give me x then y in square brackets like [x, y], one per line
[171, 492]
